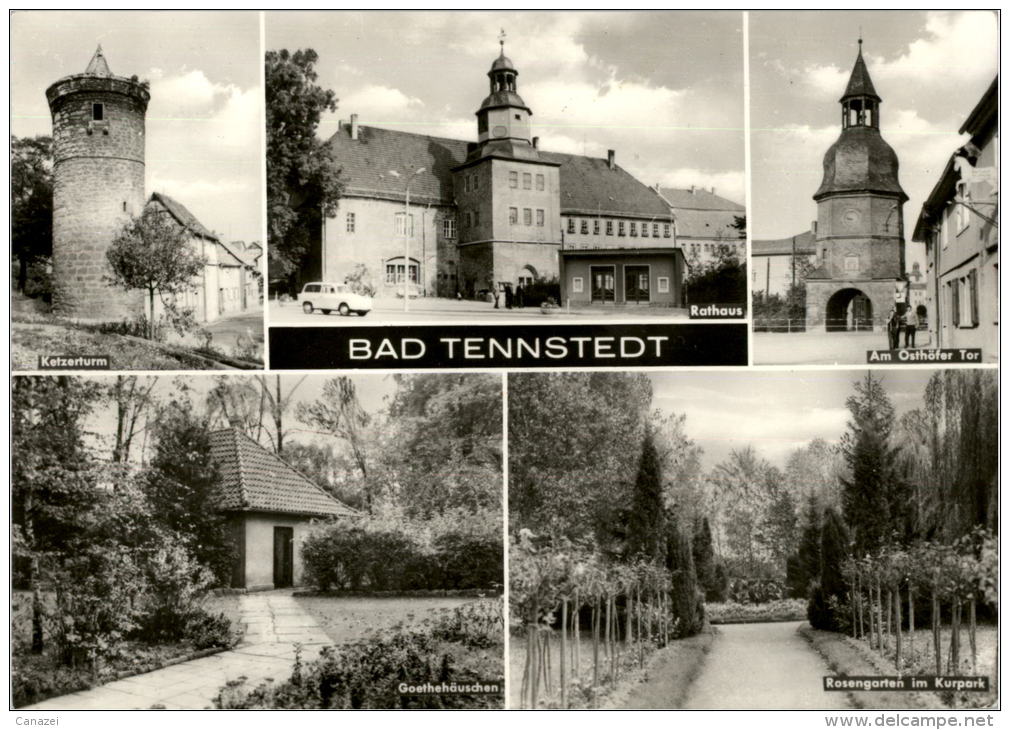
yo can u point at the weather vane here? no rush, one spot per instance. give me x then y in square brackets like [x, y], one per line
[501, 40]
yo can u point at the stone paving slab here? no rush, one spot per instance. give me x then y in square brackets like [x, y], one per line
[273, 624]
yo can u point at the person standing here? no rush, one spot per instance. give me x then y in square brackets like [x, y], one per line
[892, 329]
[508, 295]
[911, 325]
[495, 292]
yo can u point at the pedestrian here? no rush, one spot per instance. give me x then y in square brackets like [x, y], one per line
[911, 325]
[509, 296]
[495, 292]
[520, 297]
[459, 297]
[892, 329]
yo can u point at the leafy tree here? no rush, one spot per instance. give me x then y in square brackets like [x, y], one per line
[152, 253]
[807, 560]
[53, 482]
[31, 202]
[302, 178]
[182, 486]
[132, 397]
[826, 601]
[779, 528]
[686, 601]
[704, 558]
[720, 280]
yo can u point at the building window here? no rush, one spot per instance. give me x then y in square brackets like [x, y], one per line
[513, 216]
[475, 183]
[663, 284]
[852, 263]
[596, 226]
[634, 228]
[962, 197]
[620, 228]
[583, 226]
[394, 272]
[645, 230]
[955, 308]
[540, 217]
[540, 182]
[449, 228]
[466, 183]
[655, 230]
[576, 284]
[666, 230]
[571, 225]
[973, 297]
[400, 217]
[98, 112]
[350, 222]
[527, 181]
[527, 217]
[476, 218]
[610, 228]
[513, 179]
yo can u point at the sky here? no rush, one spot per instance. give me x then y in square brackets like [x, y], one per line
[776, 412]
[204, 121]
[665, 90]
[930, 69]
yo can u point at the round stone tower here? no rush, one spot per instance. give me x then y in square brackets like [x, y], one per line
[98, 184]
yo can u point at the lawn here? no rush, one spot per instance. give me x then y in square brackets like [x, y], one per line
[346, 619]
[31, 340]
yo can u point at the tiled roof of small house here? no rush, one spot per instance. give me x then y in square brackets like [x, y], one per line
[586, 182]
[703, 214]
[803, 243]
[186, 219]
[698, 199]
[256, 480]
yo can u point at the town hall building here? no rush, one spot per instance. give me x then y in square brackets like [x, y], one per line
[495, 211]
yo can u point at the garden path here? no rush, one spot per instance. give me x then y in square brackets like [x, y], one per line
[762, 666]
[272, 622]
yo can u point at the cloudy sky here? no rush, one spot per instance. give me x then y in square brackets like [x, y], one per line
[665, 90]
[930, 68]
[776, 412]
[204, 122]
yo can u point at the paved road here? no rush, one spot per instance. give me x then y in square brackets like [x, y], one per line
[762, 666]
[821, 348]
[433, 309]
[273, 623]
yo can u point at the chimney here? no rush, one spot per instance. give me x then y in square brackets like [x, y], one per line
[610, 159]
[713, 190]
[692, 190]
[354, 126]
[536, 143]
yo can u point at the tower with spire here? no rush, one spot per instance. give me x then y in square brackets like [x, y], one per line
[98, 183]
[860, 230]
[507, 193]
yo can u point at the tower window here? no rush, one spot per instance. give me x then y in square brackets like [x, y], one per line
[98, 112]
[513, 179]
[124, 206]
[518, 118]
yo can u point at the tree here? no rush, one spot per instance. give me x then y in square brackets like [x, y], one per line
[823, 609]
[152, 253]
[132, 398]
[182, 486]
[704, 559]
[646, 529]
[53, 482]
[807, 560]
[302, 179]
[31, 202]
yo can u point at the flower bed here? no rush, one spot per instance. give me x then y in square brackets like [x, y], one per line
[730, 612]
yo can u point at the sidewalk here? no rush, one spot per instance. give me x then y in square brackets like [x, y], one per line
[273, 622]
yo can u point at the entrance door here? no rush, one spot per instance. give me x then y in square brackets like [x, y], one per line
[636, 284]
[284, 557]
[603, 283]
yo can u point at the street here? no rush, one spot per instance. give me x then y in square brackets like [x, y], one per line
[820, 348]
[428, 309]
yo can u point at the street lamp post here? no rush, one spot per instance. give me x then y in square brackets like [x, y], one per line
[406, 236]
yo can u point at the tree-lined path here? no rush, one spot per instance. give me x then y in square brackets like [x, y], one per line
[762, 666]
[273, 623]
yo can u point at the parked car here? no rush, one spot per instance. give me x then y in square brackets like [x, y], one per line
[327, 297]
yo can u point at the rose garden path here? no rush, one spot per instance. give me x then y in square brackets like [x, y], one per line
[273, 623]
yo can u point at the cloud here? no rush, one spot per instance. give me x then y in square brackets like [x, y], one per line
[378, 102]
[958, 47]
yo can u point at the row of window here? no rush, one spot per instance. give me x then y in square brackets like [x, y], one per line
[527, 178]
[633, 227]
[448, 225]
[697, 248]
[527, 216]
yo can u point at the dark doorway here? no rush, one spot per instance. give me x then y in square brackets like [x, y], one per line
[636, 284]
[849, 310]
[284, 557]
[603, 283]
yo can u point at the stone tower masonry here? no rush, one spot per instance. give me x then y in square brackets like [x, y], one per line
[98, 184]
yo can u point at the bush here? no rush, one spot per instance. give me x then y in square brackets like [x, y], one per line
[756, 590]
[175, 584]
[469, 560]
[366, 675]
[207, 630]
[721, 281]
[479, 624]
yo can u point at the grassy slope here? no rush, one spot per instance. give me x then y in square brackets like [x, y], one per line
[347, 619]
[31, 340]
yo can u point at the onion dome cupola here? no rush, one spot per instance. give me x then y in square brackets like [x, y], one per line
[860, 160]
[503, 115]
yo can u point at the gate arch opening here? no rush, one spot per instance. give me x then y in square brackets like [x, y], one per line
[849, 310]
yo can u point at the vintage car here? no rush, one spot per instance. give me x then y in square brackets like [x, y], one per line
[327, 297]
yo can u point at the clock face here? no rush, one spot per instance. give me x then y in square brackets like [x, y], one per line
[499, 131]
[851, 217]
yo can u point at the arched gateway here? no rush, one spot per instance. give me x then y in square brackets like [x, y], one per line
[848, 310]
